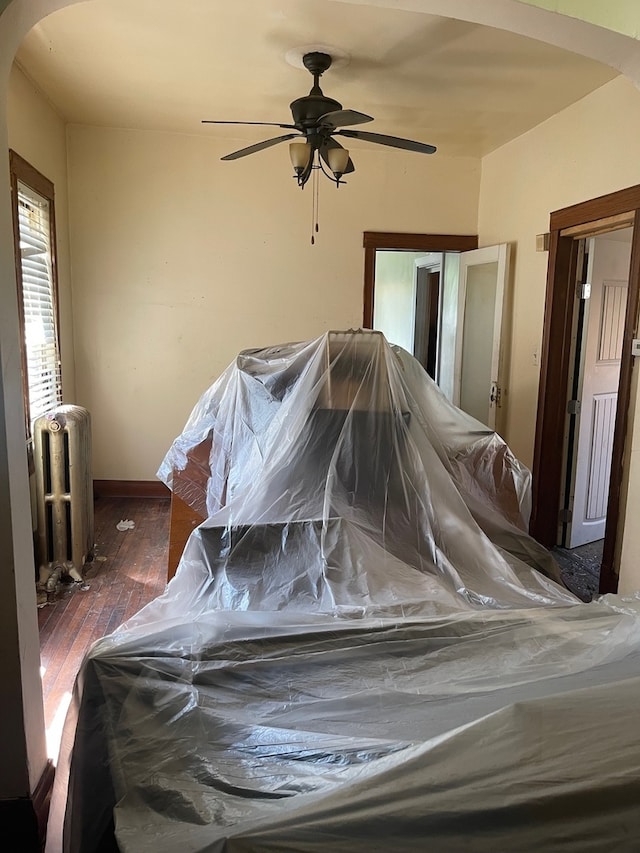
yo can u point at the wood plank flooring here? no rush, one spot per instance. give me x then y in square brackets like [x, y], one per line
[130, 570]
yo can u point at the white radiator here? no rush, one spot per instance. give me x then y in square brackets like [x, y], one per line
[64, 492]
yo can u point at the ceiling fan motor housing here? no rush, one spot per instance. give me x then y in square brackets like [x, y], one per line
[307, 110]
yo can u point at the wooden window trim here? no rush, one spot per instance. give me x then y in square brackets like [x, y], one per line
[404, 242]
[21, 170]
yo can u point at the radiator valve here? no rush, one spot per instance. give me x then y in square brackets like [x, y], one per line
[50, 575]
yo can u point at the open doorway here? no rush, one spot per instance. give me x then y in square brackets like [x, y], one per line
[407, 302]
[598, 331]
[585, 385]
[443, 300]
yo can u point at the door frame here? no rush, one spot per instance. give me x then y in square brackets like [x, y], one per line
[403, 242]
[564, 225]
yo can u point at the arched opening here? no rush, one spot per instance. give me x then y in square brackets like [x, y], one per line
[14, 23]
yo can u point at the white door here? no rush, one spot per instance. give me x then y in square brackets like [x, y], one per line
[482, 284]
[607, 273]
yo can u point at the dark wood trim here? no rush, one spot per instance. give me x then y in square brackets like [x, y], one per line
[29, 175]
[18, 267]
[611, 204]
[552, 393]
[23, 171]
[42, 798]
[130, 489]
[555, 368]
[403, 242]
[419, 242]
[369, 287]
[608, 573]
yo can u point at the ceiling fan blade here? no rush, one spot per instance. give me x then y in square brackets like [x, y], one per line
[392, 141]
[260, 123]
[333, 143]
[343, 118]
[259, 146]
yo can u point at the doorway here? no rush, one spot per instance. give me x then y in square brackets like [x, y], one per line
[593, 382]
[581, 429]
[601, 290]
[446, 307]
[404, 299]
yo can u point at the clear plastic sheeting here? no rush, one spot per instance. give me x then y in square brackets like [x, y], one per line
[346, 429]
[362, 648]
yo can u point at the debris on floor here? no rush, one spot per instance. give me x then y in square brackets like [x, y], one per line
[580, 568]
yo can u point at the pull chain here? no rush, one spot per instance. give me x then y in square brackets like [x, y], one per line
[315, 207]
[317, 200]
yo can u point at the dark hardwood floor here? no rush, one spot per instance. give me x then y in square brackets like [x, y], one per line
[129, 569]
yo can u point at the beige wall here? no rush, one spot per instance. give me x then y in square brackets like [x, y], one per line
[583, 152]
[180, 261]
[38, 134]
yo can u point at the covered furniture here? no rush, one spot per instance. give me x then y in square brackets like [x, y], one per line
[362, 648]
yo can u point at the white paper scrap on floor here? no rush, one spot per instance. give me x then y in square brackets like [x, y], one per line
[362, 649]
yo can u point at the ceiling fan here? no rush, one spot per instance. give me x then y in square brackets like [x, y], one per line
[319, 119]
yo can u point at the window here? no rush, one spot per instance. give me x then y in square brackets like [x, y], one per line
[34, 237]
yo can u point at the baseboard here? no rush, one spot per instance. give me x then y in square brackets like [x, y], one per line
[42, 798]
[24, 820]
[130, 489]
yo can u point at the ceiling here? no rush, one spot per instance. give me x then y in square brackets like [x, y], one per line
[167, 64]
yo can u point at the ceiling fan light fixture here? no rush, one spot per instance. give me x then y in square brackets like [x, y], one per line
[338, 160]
[317, 119]
[300, 154]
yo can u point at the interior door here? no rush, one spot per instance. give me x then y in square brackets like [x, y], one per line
[607, 275]
[482, 285]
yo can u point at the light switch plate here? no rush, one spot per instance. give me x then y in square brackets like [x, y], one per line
[635, 347]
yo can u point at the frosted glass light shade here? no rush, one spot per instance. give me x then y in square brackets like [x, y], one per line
[338, 159]
[299, 152]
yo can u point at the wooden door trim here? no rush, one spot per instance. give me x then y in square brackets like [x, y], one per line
[602, 207]
[555, 367]
[404, 242]
[554, 377]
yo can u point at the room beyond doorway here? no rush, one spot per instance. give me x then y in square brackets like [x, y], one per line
[598, 332]
[407, 303]
[419, 290]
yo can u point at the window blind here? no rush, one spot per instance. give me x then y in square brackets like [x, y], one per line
[38, 302]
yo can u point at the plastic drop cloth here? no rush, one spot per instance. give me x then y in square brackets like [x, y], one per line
[362, 648]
